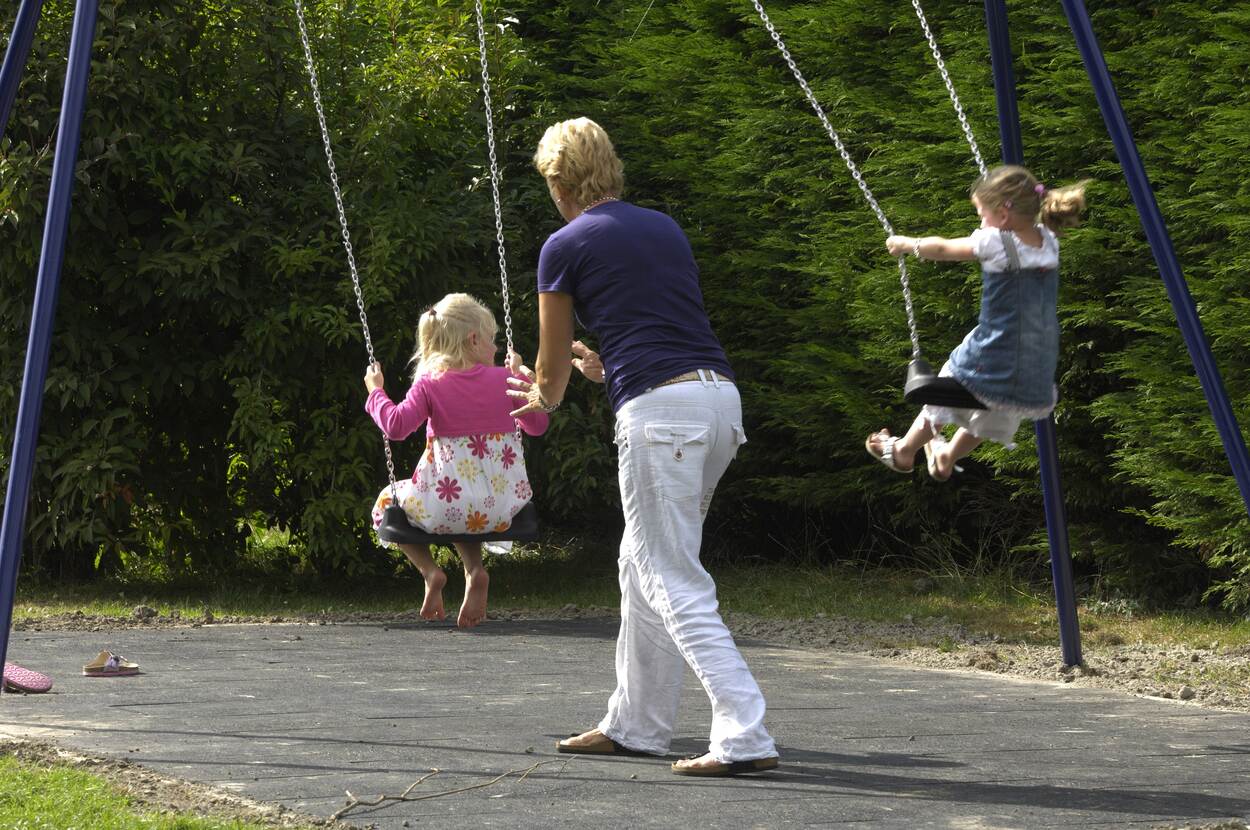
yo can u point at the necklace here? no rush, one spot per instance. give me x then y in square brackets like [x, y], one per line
[602, 201]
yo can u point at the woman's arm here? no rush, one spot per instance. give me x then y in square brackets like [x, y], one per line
[932, 247]
[553, 367]
[555, 344]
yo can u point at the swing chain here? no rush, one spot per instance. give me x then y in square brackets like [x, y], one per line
[850, 165]
[338, 201]
[495, 178]
[950, 86]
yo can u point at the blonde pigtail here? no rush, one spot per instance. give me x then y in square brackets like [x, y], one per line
[1062, 207]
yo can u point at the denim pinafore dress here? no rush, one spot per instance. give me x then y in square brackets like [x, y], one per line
[1008, 361]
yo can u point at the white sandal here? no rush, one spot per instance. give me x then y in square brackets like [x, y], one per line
[930, 458]
[886, 456]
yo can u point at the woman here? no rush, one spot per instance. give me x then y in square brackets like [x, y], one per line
[630, 276]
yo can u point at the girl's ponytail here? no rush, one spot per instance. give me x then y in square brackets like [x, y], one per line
[1062, 207]
[1015, 188]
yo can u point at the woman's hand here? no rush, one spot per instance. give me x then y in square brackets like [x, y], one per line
[900, 245]
[587, 362]
[524, 391]
[373, 377]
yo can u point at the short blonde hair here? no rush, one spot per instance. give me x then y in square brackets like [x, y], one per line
[1015, 188]
[578, 156]
[444, 330]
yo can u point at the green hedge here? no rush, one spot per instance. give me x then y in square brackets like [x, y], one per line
[206, 371]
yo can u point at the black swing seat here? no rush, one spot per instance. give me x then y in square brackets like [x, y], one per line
[925, 387]
[396, 528]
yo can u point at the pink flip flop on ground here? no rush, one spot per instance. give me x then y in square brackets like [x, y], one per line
[18, 679]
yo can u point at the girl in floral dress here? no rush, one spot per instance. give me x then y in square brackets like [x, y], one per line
[471, 477]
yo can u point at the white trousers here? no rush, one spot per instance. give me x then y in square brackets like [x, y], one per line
[674, 444]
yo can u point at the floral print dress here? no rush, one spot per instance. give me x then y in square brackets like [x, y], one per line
[463, 484]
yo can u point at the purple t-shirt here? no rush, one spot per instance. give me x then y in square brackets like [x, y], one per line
[635, 286]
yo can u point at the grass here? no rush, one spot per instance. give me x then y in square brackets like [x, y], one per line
[585, 576]
[39, 796]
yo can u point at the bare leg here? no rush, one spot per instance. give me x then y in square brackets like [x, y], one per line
[476, 583]
[963, 443]
[435, 579]
[905, 448]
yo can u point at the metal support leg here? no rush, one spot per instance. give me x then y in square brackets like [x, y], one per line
[26, 435]
[1161, 245]
[1047, 446]
[15, 56]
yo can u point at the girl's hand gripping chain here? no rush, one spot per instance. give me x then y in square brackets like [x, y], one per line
[373, 377]
[516, 365]
[903, 245]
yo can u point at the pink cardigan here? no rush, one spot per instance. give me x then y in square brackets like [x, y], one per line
[467, 402]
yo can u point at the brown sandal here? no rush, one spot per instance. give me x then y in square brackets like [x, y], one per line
[725, 769]
[603, 746]
[108, 664]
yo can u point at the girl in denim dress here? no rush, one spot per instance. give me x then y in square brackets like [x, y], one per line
[1008, 361]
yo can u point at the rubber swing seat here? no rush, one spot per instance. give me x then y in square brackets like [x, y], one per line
[923, 386]
[396, 528]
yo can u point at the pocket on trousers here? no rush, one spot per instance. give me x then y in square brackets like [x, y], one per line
[677, 453]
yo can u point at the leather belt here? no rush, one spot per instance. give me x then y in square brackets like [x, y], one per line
[690, 376]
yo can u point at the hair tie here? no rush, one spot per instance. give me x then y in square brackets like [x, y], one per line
[1039, 188]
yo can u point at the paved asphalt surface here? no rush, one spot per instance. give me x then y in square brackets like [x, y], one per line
[299, 714]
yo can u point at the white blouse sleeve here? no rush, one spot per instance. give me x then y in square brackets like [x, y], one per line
[1052, 241]
[986, 243]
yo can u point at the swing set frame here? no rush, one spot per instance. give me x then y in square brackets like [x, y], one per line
[26, 432]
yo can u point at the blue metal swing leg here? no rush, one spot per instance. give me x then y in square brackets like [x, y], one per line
[1047, 446]
[26, 435]
[15, 56]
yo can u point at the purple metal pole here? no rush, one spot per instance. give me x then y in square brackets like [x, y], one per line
[1047, 444]
[15, 56]
[26, 435]
[1161, 246]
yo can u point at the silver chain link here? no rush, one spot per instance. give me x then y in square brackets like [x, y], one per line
[850, 165]
[338, 201]
[950, 86]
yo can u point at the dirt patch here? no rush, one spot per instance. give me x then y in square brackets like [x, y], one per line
[1215, 676]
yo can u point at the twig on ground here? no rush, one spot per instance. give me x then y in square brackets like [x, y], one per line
[354, 802]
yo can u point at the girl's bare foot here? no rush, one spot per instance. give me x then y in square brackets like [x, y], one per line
[473, 609]
[432, 608]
